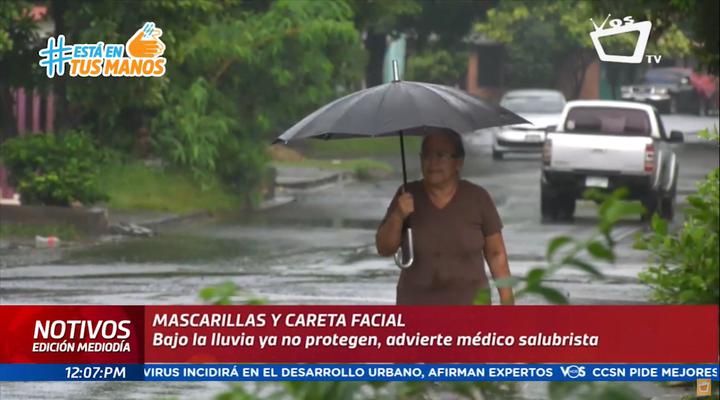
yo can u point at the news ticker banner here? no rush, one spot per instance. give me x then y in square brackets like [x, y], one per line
[43, 341]
[358, 372]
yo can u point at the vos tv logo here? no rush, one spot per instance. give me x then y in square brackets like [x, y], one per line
[573, 371]
[619, 27]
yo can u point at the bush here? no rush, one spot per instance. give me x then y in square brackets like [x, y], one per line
[243, 166]
[685, 265]
[52, 169]
[195, 133]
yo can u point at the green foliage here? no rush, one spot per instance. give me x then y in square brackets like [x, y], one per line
[19, 67]
[685, 264]
[673, 43]
[220, 294]
[276, 66]
[53, 169]
[592, 391]
[383, 16]
[323, 390]
[426, 24]
[189, 134]
[132, 185]
[18, 44]
[561, 28]
[115, 109]
[558, 26]
[437, 66]
[350, 390]
[243, 166]
[262, 71]
[223, 294]
[14, 26]
[680, 27]
[237, 74]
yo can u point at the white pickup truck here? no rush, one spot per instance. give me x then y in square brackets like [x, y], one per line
[606, 145]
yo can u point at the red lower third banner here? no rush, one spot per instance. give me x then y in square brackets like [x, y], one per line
[358, 334]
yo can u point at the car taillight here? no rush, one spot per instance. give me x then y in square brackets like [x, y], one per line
[649, 157]
[547, 152]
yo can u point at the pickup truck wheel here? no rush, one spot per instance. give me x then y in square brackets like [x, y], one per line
[651, 203]
[497, 155]
[548, 205]
[567, 207]
[667, 203]
[667, 208]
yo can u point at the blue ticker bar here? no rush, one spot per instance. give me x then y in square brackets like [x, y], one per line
[357, 372]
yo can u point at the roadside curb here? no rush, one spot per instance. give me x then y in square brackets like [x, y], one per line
[299, 183]
[274, 202]
[175, 219]
[93, 221]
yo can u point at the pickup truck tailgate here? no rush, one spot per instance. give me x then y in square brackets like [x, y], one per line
[612, 153]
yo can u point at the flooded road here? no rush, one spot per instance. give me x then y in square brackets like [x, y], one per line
[316, 250]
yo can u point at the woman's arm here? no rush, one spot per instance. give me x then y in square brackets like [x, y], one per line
[496, 257]
[389, 234]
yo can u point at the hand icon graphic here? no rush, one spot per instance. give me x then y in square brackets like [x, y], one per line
[146, 43]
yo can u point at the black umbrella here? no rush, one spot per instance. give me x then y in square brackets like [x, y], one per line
[400, 108]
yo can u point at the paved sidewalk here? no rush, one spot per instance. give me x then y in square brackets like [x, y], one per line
[307, 177]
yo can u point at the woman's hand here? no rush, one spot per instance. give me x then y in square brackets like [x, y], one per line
[389, 234]
[405, 205]
[496, 256]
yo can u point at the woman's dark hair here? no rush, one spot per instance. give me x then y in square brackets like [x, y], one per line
[453, 136]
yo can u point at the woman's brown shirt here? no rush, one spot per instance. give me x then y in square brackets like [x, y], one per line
[449, 266]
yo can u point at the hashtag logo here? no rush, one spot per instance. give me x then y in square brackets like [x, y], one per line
[55, 55]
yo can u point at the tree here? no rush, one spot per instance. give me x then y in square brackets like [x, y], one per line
[376, 20]
[444, 23]
[18, 59]
[116, 110]
[428, 25]
[437, 39]
[237, 73]
[246, 76]
[540, 35]
[437, 65]
[696, 20]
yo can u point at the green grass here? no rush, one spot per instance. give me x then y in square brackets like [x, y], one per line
[361, 147]
[134, 186]
[64, 232]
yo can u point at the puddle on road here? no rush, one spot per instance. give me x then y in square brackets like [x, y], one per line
[163, 249]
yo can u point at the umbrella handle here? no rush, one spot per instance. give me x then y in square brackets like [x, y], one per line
[399, 252]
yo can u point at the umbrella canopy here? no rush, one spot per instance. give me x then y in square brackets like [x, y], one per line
[397, 107]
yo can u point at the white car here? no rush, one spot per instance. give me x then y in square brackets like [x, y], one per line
[542, 107]
[605, 145]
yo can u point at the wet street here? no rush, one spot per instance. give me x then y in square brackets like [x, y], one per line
[319, 249]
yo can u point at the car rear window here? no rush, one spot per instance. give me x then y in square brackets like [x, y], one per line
[608, 120]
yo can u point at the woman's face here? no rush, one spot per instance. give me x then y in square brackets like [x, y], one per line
[438, 159]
